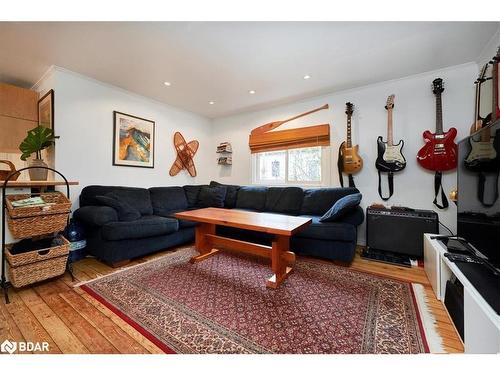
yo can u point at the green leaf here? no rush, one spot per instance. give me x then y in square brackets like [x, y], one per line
[36, 140]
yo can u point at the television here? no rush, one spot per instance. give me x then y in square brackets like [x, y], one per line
[478, 217]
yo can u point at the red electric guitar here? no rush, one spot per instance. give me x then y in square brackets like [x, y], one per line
[440, 150]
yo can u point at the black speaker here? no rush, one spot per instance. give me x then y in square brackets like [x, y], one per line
[399, 231]
[454, 302]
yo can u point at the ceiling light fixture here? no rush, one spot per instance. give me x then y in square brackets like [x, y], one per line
[167, 83]
[307, 76]
[211, 102]
[251, 92]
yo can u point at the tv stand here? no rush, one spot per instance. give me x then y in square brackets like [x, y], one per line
[481, 320]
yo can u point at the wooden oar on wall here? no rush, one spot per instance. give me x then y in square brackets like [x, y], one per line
[273, 125]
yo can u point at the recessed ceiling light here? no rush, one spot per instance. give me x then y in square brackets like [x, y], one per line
[166, 83]
[307, 76]
[251, 92]
[211, 102]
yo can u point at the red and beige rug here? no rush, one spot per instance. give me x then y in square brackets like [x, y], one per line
[221, 305]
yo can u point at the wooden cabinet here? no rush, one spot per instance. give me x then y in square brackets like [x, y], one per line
[18, 114]
[18, 102]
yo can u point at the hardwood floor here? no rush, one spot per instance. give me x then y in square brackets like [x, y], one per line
[73, 322]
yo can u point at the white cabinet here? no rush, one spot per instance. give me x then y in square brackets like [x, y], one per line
[481, 322]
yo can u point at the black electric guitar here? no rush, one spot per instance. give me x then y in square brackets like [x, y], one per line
[390, 157]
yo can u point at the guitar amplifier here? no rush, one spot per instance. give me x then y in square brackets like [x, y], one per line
[399, 231]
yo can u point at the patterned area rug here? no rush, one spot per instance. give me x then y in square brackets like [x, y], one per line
[221, 305]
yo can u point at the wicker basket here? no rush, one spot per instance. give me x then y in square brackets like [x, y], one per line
[25, 222]
[34, 266]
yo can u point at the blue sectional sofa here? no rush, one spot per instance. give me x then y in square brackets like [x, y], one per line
[114, 241]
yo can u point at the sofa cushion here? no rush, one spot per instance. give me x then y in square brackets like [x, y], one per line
[182, 223]
[343, 206]
[211, 196]
[96, 216]
[124, 211]
[136, 197]
[231, 193]
[146, 226]
[192, 192]
[253, 197]
[318, 201]
[332, 231]
[284, 200]
[354, 217]
[168, 199]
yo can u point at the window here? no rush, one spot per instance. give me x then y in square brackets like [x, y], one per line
[298, 166]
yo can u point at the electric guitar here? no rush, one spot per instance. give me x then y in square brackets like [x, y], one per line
[390, 158]
[482, 156]
[440, 150]
[495, 111]
[351, 161]
[478, 120]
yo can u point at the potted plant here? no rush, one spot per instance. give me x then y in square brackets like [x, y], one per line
[38, 139]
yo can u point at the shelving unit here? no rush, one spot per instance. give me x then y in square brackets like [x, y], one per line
[42, 185]
[225, 150]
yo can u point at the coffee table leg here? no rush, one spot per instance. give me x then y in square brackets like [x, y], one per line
[281, 245]
[202, 244]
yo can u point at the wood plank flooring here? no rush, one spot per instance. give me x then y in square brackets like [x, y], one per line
[73, 322]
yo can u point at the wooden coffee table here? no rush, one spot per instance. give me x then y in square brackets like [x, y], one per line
[282, 226]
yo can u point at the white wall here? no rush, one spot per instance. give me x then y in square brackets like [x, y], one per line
[490, 49]
[84, 109]
[84, 121]
[414, 112]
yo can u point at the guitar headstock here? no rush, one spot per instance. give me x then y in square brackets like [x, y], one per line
[437, 86]
[349, 108]
[482, 74]
[390, 102]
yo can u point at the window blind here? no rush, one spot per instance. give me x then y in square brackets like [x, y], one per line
[310, 136]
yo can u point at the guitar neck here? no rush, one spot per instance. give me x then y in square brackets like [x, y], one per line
[349, 130]
[439, 114]
[494, 111]
[477, 115]
[390, 140]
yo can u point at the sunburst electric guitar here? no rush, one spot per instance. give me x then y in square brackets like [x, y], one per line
[478, 120]
[483, 156]
[349, 160]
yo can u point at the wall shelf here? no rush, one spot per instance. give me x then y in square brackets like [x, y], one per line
[37, 183]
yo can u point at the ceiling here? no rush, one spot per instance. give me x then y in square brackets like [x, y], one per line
[222, 61]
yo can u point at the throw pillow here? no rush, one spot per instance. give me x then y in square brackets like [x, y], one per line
[125, 211]
[231, 193]
[211, 196]
[192, 192]
[342, 207]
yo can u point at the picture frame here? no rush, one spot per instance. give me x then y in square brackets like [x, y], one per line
[133, 141]
[46, 110]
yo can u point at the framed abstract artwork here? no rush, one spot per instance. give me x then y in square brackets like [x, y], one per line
[46, 110]
[133, 141]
